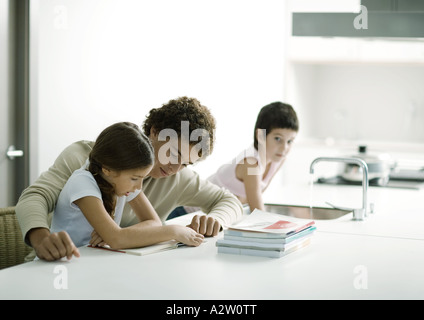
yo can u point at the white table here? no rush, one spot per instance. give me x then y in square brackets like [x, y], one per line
[332, 267]
[380, 258]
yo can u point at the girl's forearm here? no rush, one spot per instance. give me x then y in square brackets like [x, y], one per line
[147, 223]
[147, 232]
[140, 236]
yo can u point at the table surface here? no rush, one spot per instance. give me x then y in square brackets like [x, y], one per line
[334, 266]
[379, 258]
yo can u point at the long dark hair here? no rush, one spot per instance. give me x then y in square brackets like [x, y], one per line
[121, 146]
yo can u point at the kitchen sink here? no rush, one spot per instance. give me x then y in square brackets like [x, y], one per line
[315, 213]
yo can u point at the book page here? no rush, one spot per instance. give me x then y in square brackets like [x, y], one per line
[262, 221]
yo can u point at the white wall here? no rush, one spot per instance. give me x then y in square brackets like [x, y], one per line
[350, 91]
[360, 102]
[102, 61]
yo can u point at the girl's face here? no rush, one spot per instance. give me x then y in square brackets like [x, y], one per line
[126, 181]
[278, 144]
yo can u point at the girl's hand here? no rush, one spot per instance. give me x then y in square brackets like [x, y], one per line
[188, 236]
[96, 240]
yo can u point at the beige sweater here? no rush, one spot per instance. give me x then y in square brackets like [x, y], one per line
[184, 188]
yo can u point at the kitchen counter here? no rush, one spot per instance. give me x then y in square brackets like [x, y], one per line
[379, 258]
[398, 213]
[328, 269]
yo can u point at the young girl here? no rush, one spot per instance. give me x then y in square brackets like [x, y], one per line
[94, 196]
[250, 173]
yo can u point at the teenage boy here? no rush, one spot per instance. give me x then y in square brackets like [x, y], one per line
[170, 183]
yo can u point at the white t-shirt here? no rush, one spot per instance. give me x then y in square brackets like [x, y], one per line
[226, 174]
[68, 216]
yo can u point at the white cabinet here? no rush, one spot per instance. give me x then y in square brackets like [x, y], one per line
[355, 50]
[347, 50]
[351, 90]
[324, 5]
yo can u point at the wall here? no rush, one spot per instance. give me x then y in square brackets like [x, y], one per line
[360, 102]
[102, 61]
[355, 90]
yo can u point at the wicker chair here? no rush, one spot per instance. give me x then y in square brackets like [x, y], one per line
[12, 247]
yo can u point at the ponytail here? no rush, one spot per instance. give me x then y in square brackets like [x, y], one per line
[121, 146]
[106, 189]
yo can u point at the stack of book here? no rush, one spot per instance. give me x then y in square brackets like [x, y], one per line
[266, 234]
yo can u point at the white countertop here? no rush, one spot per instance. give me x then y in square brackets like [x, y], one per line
[398, 213]
[379, 258]
[324, 270]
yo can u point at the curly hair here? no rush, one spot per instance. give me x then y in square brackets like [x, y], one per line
[172, 114]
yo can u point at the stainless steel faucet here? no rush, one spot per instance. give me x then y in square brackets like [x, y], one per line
[358, 214]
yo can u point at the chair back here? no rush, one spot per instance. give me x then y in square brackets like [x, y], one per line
[13, 249]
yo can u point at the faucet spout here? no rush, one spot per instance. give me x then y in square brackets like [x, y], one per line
[358, 214]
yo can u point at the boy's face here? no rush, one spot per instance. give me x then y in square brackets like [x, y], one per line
[278, 144]
[171, 156]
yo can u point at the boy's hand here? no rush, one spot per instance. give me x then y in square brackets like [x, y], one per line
[52, 246]
[205, 225]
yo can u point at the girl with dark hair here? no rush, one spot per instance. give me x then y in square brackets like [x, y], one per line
[169, 184]
[91, 203]
[250, 173]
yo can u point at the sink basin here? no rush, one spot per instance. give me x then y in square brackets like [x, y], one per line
[315, 213]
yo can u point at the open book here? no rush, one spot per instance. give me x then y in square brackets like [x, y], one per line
[168, 245]
[262, 223]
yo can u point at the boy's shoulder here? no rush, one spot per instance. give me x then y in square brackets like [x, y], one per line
[82, 147]
[73, 157]
[182, 177]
